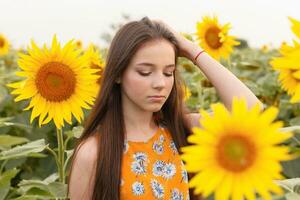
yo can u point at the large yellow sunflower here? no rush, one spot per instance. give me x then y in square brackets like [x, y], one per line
[4, 45]
[214, 38]
[58, 82]
[288, 65]
[236, 153]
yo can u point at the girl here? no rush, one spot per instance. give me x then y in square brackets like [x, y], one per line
[130, 146]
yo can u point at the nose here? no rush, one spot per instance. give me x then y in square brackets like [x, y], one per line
[159, 81]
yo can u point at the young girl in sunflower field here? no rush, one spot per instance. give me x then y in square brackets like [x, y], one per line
[129, 148]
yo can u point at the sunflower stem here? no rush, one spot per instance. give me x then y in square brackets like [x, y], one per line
[66, 163]
[55, 156]
[61, 157]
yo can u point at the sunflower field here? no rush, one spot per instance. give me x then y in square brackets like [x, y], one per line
[47, 90]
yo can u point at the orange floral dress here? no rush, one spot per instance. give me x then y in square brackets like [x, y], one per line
[153, 169]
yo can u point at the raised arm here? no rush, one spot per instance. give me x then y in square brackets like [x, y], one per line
[226, 83]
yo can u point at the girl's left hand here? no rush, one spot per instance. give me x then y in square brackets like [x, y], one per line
[187, 48]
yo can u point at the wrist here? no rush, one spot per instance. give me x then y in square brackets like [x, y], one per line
[196, 57]
[192, 50]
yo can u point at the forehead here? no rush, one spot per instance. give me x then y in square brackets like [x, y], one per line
[158, 52]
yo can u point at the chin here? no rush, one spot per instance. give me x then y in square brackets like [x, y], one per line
[154, 108]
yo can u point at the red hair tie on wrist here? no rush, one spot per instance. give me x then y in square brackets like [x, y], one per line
[198, 54]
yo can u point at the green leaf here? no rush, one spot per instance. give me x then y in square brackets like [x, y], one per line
[295, 121]
[52, 178]
[290, 128]
[58, 189]
[47, 188]
[24, 150]
[36, 193]
[291, 185]
[292, 196]
[69, 153]
[249, 66]
[6, 121]
[27, 185]
[77, 131]
[6, 141]
[5, 179]
[295, 150]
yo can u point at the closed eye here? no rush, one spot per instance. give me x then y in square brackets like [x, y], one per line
[169, 74]
[148, 73]
[144, 73]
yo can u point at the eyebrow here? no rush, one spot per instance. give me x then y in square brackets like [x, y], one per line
[153, 65]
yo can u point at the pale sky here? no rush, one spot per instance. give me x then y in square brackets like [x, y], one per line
[259, 21]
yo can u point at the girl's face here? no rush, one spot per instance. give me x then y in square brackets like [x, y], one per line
[149, 73]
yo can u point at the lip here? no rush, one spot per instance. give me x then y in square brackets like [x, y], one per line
[157, 98]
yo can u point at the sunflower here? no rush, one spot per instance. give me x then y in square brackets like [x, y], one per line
[264, 48]
[58, 82]
[236, 153]
[288, 65]
[4, 45]
[95, 60]
[214, 38]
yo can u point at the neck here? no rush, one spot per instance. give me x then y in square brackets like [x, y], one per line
[137, 120]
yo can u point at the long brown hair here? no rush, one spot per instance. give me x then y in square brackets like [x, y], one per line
[106, 117]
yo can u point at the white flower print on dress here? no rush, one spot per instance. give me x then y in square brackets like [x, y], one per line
[158, 168]
[176, 195]
[184, 173]
[138, 188]
[138, 168]
[157, 189]
[161, 138]
[173, 147]
[158, 147]
[169, 171]
[122, 182]
[140, 157]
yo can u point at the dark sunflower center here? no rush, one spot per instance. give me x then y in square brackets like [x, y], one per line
[56, 81]
[296, 74]
[78, 44]
[236, 153]
[2, 42]
[212, 37]
[95, 66]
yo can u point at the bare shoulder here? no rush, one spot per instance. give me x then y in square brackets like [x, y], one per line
[88, 149]
[82, 176]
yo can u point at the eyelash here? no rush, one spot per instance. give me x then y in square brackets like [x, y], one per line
[147, 74]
